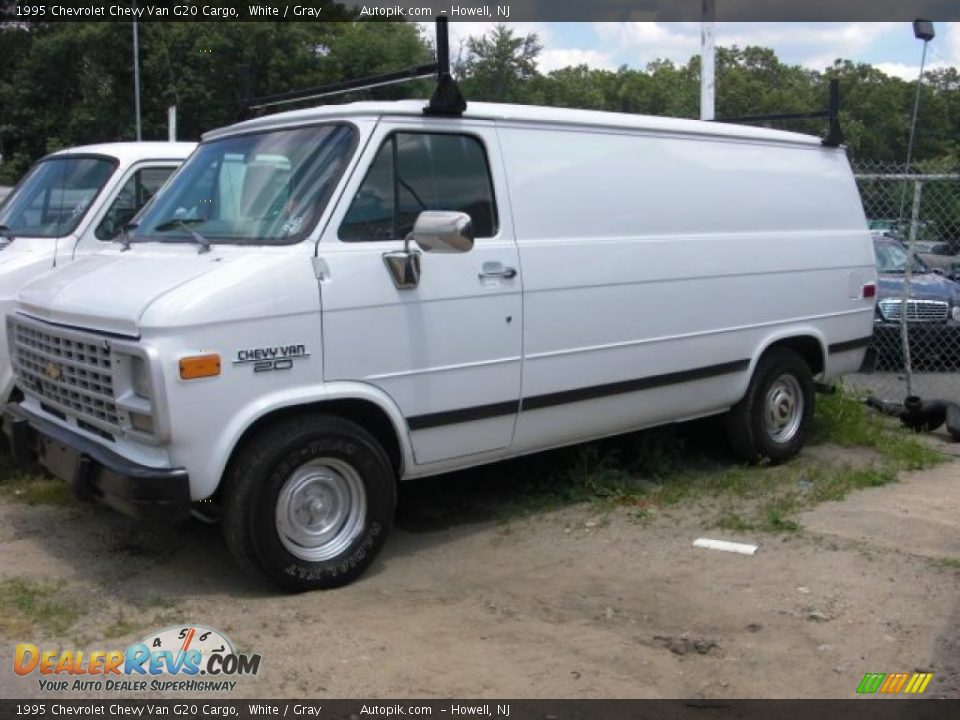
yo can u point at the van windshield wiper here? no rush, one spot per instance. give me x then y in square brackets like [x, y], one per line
[186, 224]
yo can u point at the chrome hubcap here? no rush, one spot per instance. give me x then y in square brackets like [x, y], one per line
[321, 509]
[783, 411]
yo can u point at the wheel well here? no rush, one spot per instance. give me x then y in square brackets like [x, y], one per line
[807, 347]
[364, 413]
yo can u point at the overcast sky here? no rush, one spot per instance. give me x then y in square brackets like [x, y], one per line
[889, 46]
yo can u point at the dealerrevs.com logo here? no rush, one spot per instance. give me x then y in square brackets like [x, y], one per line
[191, 658]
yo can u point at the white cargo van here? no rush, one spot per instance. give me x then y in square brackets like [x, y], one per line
[324, 302]
[68, 205]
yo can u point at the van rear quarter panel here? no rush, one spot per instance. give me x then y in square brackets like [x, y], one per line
[645, 255]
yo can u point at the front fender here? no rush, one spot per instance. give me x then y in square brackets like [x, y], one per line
[206, 472]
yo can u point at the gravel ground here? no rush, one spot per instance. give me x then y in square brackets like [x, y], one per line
[563, 604]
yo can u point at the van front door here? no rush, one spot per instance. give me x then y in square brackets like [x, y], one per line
[448, 352]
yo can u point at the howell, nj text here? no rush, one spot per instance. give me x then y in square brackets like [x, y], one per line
[455, 11]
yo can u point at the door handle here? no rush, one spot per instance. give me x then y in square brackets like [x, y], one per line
[501, 273]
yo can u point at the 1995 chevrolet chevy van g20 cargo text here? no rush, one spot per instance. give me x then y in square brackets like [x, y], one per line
[325, 301]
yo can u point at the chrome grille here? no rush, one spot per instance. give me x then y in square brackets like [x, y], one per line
[72, 372]
[917, 310]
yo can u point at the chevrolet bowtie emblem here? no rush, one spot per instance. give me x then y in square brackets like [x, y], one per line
[53, 371]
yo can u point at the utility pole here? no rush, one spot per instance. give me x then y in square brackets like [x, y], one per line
[707, 58]
[136, 72]
[922, 30]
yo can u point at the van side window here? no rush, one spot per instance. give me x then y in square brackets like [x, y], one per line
[413, 172]
[135, 193]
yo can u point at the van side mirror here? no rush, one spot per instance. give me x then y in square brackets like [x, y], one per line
[442, 231]
[435, 231]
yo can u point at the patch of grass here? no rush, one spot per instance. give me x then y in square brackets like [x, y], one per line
[835, 483]
[619, 471]
[35, 490]
[732, 520]
[119, 628]
[736, 481]
[690, 463]
[27, 606]
[844, 419]
[31, 488]
[776, 512]
[950, 562]
[162, 602]
[908, 453]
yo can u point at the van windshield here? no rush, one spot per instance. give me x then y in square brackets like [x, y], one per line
[55, 195]
[263, 188]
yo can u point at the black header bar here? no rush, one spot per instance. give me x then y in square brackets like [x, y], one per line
[475, 10]
[487, 709]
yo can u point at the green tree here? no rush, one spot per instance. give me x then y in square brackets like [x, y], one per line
[72, 83]
[499, 67]
[572, 87]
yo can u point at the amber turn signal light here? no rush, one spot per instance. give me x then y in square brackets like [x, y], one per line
[199, 366]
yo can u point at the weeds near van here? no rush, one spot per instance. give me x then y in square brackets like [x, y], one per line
[27, 606]
[651, 471]
[642, 474]
[842, 419]
[29, 488]
[36, 490]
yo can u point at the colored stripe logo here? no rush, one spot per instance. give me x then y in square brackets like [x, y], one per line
[894, 683]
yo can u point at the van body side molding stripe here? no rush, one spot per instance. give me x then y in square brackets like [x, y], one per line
[538, 402]
[451, 417]
[850, 345]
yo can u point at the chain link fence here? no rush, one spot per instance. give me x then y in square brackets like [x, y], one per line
[914, 215]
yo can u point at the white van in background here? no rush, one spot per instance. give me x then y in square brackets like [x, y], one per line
[68, 204]
[383, 294]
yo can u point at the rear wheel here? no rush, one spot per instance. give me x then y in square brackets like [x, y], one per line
[309, 502]
[772, 421]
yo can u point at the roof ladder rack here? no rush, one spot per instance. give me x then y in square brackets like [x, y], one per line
[446, 100]
[834, 137]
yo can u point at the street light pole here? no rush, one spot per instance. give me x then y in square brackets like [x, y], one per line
[708, 18]
[136, 73]
[922, 30]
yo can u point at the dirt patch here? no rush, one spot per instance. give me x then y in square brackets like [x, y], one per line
[563, 604]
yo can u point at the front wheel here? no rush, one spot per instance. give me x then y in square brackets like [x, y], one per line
[309, 502]
[773, 420]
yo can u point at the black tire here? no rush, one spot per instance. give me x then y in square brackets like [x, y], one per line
[747, 428]
[258, 478]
